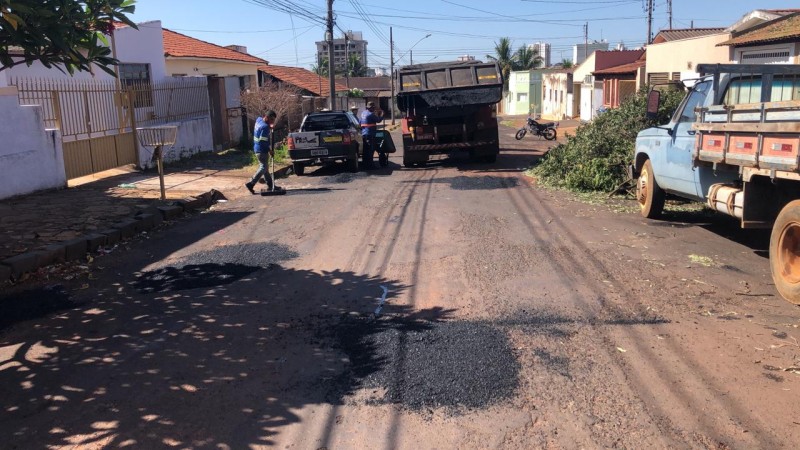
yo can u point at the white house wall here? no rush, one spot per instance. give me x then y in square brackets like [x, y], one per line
[142, 46]
[194, 136]
[768, 54]
[31, 157]
[189, 67]
[684, 55]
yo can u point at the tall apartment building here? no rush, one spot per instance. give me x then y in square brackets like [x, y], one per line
[579, 55]
[543, 50]
[352, 43]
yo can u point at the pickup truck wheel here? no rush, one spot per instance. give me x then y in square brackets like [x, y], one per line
[648, 193]
[784, 252]
[299, 169]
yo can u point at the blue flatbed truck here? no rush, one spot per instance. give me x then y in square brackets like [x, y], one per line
[733, 143]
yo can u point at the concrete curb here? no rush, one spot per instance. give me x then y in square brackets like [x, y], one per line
[13, 268]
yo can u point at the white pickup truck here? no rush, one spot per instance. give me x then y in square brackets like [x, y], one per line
[324, 137]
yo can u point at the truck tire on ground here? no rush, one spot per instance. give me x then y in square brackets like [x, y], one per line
[784, 252]
[648, 193]
[383, 159]
[550, 134]
[520, 134]
[299, 169]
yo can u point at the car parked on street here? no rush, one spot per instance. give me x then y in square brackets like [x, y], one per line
[326, 137]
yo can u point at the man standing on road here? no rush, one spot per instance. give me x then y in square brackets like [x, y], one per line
[369, 126]
[262, 149]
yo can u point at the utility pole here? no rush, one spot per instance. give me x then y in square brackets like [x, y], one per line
[331, 65]
[347, 60]
[649, 22]
[411, 57]
[669, 5]
[391, 71]
[585, 41]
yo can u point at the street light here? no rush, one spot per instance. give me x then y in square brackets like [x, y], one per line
[411, 60]
[391, 61]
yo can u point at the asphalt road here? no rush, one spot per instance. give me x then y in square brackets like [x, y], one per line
[512, 317]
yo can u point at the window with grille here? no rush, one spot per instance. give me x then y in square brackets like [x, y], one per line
[136, 77]
[777, 55]
[657, 77]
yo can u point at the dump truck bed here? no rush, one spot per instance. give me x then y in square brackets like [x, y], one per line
[452, 84]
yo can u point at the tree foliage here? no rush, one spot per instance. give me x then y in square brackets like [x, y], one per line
[285, 100]
[524, 58]
[596, 157]
[67, 34]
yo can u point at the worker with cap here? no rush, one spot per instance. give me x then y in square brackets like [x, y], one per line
[369, 126]
[354, 110]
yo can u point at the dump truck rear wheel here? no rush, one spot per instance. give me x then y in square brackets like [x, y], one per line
[784, 252]
[648, 193]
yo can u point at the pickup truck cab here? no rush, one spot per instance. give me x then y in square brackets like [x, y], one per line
[734, 143]
[325, 137]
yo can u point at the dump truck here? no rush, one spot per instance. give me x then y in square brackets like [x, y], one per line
[449, 107]
[734, 143]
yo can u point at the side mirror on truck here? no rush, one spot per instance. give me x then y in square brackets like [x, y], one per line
[653, 100]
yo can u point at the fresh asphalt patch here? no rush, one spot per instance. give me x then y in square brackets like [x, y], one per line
[215, 267]
[420, 365]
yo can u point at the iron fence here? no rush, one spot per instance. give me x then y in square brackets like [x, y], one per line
[91, 108]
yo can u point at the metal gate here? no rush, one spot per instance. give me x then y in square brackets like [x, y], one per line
[98, 119]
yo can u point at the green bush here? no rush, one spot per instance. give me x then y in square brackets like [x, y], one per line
[596, 157]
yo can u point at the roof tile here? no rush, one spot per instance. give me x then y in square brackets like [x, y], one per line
[181, 46]
[302, 78]
[780, 29]
[684, 33]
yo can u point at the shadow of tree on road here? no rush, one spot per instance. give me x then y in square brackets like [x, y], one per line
[216, 355]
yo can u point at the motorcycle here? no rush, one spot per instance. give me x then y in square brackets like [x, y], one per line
[545, 130]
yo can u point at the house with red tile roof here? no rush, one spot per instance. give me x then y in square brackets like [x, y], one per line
[587, 95]
[776, 41]
[229, 70]
[307, 81]
[188, 56]
[621, 82]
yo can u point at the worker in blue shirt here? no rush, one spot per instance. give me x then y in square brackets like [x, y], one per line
[262, 149]
[369, 126]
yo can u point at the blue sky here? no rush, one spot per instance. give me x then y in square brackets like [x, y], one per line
[457, 27]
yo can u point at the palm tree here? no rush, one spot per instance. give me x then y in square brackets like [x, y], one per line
[526, 58]
[355, 68]
[321, 69]
[504, 57]
[566, 63]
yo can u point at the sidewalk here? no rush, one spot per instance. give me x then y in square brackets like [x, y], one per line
[40, 229]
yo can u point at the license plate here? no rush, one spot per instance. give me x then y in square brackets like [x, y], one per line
[331, 139]
[320, 152]
[425, 136]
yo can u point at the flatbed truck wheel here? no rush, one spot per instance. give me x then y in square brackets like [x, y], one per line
[784, 252]
[648, 193]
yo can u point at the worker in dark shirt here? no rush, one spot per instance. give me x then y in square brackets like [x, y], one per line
[262, 149]
[369, 126]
